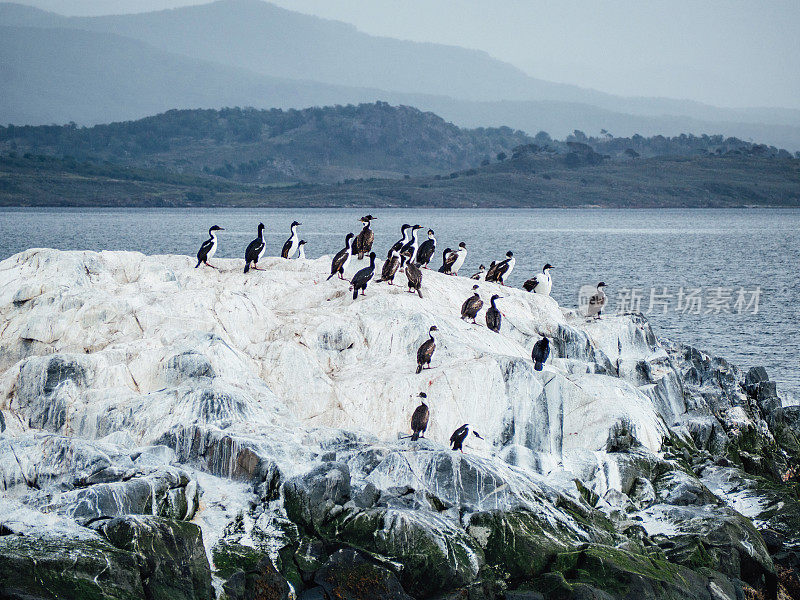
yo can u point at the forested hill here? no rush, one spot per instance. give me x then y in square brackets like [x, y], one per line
[266, 146]
[334, 144]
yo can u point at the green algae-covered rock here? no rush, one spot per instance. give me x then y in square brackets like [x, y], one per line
[631, 576]
[33, 568]
[350, 576]
[172, 559]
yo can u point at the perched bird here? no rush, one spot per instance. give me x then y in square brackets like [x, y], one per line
[472, 305]
[597, 302]
[290, 247]
[541, 283]
[342, 258]
[365, 237]
[461, 256]
[398, 245]
[541, 350]
[255, 250]
[208, 248]
[361, 279]
[493, 317]
[409, 251]
[390, 267]
[414, 275]
[301, 249]
[459, 435]
[426, 250]
[479, 275]
[501, 270]
[419, 420]
[448, 258]
[425, 351]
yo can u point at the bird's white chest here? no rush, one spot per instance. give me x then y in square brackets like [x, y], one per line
[263, 248]
[213, 248]
[461, 256]
[293, 241]
[510, 268]
[545, 284]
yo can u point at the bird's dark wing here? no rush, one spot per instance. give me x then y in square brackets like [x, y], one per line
[425, 252]
[205, 247]
[286, 247]
[491, 273]
[362, 277]
[414, 275]
[338, 260]
[419, 420]
[531, 284]
[365, 239]
[461, 433]
[253, 249]
[425, 351]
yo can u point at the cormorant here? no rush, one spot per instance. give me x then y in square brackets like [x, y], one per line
[414, 275]
[419, 420]
[409, 251]
[541, 283]
[290, 247]
[426, 250]
[597, 302]
[361, 279]
[493, 317]
[390, 267]
[541, 350]
[255, 250]
[342, 258]
[208, 248]
[425, 351]
[398, 245]
[472, 305]
[366, 236]
[503, 269]
[461, 256]
[301, 249]
[448, 258]
[459, 435]
[481, 272]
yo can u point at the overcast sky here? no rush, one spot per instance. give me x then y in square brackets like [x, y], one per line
[724, 52]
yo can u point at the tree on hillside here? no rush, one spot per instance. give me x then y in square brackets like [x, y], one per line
[501, 156]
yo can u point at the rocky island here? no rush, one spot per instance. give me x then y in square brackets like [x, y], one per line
[177, 433]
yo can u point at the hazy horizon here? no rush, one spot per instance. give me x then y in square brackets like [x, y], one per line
[731, 54]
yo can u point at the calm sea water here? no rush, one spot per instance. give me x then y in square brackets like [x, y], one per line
[663, 254]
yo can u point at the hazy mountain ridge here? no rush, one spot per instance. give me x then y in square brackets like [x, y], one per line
[239, 47]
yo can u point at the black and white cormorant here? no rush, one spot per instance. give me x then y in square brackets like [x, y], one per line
[363, 242]
[419, 420]
[448, 258]
[409, 251]
[301, 249]
[414, 275]
[390, 267]
[255, 250]
[290, 247]
[541, 350]
[493, 316]
[398, 245]
[425, 351]
[472, 305]
[541, 283]
[501, 270]
[362, 278]
[342, 258]
[597, 302]
[426, 250]
[479, 275]
[461, 256]
[208, 248]
[459, 435]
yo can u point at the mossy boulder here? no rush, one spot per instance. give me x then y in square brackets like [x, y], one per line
[249, 573]
[629, 576]
[33, 568]
[172, 560]
[435, 554]
[348, 575]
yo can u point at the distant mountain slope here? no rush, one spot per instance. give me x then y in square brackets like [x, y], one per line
[319, 144]
[270, 40]
[531, 181]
